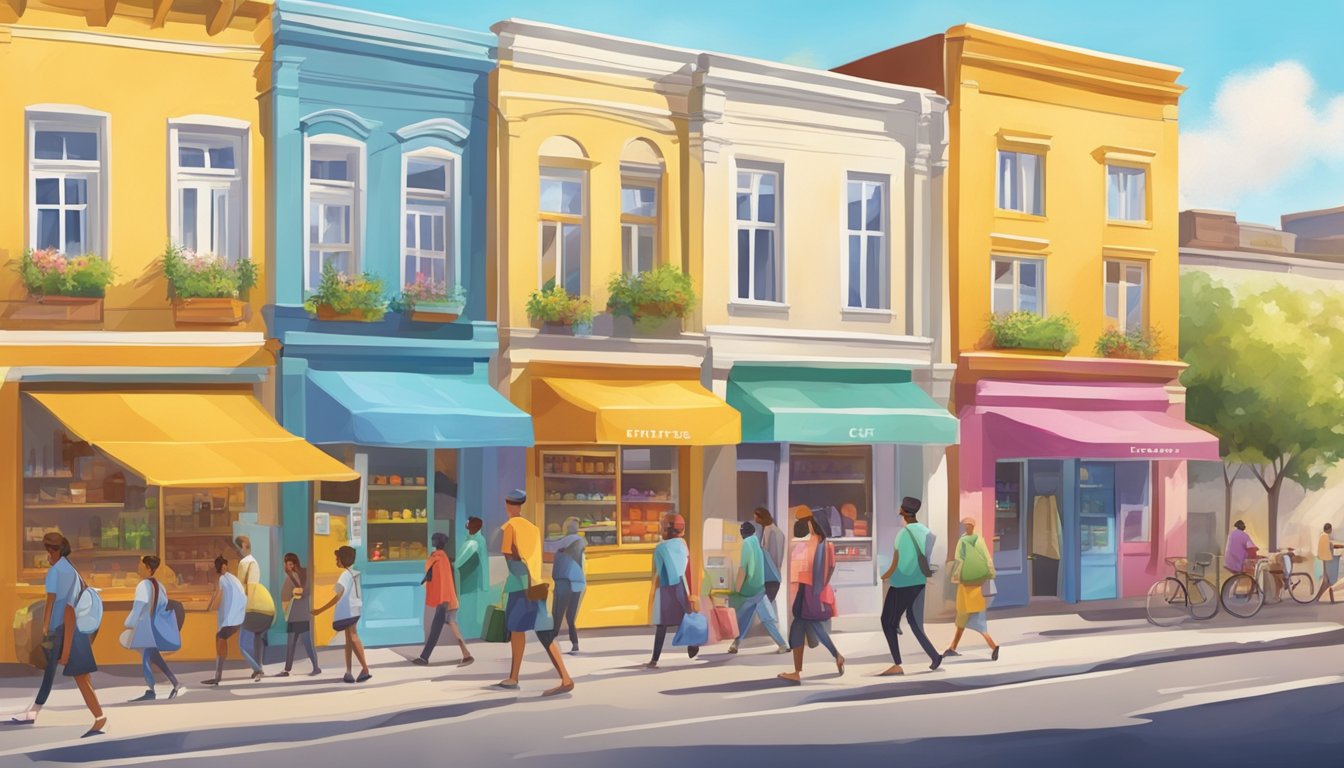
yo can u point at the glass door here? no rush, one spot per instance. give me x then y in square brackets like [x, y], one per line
[1046, 526]
[1007, 544]
[1097, 531]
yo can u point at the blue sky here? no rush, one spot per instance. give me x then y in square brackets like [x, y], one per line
[1273, 144]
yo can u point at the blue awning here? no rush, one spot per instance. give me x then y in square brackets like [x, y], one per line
[411, 410]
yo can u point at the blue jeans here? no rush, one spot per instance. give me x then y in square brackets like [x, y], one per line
[746, 617]
[252, 640]
[152, 656]
[566, 606]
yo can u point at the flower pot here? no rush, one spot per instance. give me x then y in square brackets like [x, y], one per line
[1125, 353]
[325, 312]
[61, 309]
[650, 327]
[208, 311]
[436, 311]
[559, 329]
[583, 329]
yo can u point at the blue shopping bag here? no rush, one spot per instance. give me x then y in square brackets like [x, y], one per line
[693, 630]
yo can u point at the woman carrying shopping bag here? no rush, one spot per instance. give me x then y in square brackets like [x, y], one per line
[673, 601]
[814, 601]
[153, 628]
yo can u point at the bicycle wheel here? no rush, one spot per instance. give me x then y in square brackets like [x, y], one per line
[1203, 599]
[1242, 597]
[1302, 588]
[1167, 603]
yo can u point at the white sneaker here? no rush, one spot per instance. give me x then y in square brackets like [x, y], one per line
[733, 648]
[783, 649]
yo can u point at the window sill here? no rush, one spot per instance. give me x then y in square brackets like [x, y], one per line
[1130, 224]
[863, 314]
[742, 308]
[1001, 213]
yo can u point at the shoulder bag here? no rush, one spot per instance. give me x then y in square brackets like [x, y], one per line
[919, 555]
[167, 633]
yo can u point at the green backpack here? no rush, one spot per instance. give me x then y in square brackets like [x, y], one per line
[974, 565]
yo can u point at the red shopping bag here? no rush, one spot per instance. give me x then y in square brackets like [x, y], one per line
[725, 621]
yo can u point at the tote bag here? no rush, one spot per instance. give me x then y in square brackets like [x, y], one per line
[693, 630]
[167, 633]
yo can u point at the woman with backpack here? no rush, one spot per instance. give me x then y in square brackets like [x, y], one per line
[813, 603]
[349, 600]
[974, 569]
[65, 643]
[153, 628]
[298, 614]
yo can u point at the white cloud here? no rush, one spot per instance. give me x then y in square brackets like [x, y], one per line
[804, 58]
[1268, 127]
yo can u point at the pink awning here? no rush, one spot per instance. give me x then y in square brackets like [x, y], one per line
[1088, 422]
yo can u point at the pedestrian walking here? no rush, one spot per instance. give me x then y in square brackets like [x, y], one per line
[670, 594]
[441, 596]
[473, 577]
[774, 544]
[749, 598]
[349, 601]
[232, 602]
[814, 602]
[64, 643]
[973, 570]
[906, 579]
[568, 571]
[153, 628]
[298, 602]
[260, 611]
[525, 611]
[1327, 552]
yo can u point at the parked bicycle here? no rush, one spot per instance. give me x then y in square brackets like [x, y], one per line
[1244, 594]
[1186, 594]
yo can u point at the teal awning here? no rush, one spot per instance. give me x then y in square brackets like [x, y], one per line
[411, 410]
[790, 404]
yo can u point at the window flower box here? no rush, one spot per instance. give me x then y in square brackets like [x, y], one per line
[1028, 331]
[655, 302]
[340, 297]
[206, 289]
[1129, 345]
[208, 311]
[428, 302]
[560, 313]
[60, 309]
[63, 288]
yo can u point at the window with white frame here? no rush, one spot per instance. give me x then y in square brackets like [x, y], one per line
[1126, 300]
[209, 203]
[333, 210]
[639, 222]
[1126, 193]
[1022, 182]
[562, 222]
[760, 272]
[1019, 285]
[430, 245]
[66, 167]
[866, 227]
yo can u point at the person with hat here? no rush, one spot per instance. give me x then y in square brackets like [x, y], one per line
[63, 642]
[814, 602]
[751, 599]
[525, 611]
[441, 596]
[671, 595]
[906, 579]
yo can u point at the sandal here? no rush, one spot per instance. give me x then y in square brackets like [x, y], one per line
[840, 665]
[950, 652]
[507, 685]
[792, 678]
[363, 676]
[467, 662]
[349, 678]
[97, 729]
[559, 689]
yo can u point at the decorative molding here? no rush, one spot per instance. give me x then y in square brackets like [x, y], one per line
[1018, 244]
[442, 128]
[1128, 252]
[240, 52]
[131, 339]
[1130, 155]
[219, 19]
[342, 117]
[212, 121]
[161, 9]
[1036, 141]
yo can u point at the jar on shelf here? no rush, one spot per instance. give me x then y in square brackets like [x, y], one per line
[547, 465]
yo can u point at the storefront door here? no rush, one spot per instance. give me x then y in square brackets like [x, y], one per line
[755, 488]
[1045, 526]
[1010, 563]
[1097, 528]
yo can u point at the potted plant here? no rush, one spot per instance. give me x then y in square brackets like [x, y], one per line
[653, 300]
[429, 302]
[63, 288]
[205, 288]
[1030, 331]
[558, 312]
[342, 297]
[1129, 345]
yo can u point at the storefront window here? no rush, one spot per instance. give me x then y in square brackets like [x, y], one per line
[1133, 488]
[618, 496]
[105, 510]
[837, 481]
[398, 524]
[198, 527]
[1008, 515]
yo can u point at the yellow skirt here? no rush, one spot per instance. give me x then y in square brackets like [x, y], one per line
[970, 601]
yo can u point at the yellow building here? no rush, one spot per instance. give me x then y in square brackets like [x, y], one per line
[1062, 203]
[590, 178]
[131, 423]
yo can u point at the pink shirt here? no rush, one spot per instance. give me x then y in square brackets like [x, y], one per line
[1238, 547]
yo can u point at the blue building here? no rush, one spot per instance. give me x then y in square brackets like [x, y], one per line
[377, 133]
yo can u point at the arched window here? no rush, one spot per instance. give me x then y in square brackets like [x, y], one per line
[641, 179]
[563, 214]
[334, 204]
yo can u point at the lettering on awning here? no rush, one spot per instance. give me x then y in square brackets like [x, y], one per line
[659, 434]
[1135, 450]
[862, 432]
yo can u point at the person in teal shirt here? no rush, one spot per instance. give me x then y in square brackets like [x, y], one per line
[905, 582]
[750, 600]
[473, 578]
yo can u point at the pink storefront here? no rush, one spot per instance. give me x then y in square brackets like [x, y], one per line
[1080, 484]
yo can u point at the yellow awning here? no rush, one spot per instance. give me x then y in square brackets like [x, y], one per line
[192, 438]
[676, 412]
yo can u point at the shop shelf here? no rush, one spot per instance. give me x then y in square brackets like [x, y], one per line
[99, 505]
[58, 476]
[580, 503]
[642, 500]
[419, 521]
[602, 476]
[648, 472]
[386, 488]
[178, 532]
[846, 481]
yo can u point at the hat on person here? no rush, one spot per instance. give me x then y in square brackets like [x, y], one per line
[516, 497]
[801, 512]
[910, 506]
[676, 522]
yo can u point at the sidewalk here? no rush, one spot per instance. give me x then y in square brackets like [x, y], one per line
[610, 673]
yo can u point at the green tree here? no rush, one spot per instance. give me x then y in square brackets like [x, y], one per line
[1266, 376]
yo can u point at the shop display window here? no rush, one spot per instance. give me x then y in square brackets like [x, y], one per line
[398, 504]
[198, 527]
[839, 482]
[1008, 512]
[619, 496]
[1132, 485]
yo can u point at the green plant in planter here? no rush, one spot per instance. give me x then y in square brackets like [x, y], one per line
[651, 297]
[424, 291]
[361, 294]
[1129, 345]
[1028, 330]
[553, 304]
[48, 272]
[193, 275]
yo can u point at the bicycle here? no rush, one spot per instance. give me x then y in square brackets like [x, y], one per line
[1243, 596]
[1188, 593]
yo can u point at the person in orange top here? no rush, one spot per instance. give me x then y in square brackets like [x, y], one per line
[441, 595]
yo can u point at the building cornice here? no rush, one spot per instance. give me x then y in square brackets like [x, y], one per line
[297, 19]
[745, 344]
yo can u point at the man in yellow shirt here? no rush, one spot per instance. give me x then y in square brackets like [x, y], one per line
[1325, 552]
[525, 610]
